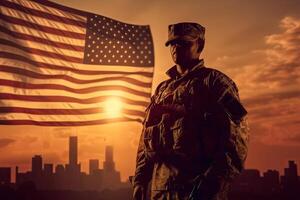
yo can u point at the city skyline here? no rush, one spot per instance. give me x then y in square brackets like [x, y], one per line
[106, 181]
[68, 175]
[73, 163]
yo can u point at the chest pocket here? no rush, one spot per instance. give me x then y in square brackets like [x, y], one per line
[185, 139]
[182, 94]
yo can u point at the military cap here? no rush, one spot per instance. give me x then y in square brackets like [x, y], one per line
[185, 31]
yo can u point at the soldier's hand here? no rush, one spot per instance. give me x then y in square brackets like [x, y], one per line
[139, 192]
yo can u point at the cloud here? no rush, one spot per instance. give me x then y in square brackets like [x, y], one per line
[5, 142]
[269, 81]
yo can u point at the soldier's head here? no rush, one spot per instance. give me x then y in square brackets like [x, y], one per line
[186, 41]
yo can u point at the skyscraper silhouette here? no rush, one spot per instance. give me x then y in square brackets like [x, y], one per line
[93, 165]
[290, 180]
[73, 167]
[109, 164]
[73, 150]
[111, 177]
[5, 173]
[37, 165]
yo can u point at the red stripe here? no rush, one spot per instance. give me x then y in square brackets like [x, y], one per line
[42, 52]
[66, 123]
[87, 90]
[85, 111]
[62, 8]
[91, 100]
[28, 73]
[42, 14]
[77, 71]
[43, 41]
[39, 27]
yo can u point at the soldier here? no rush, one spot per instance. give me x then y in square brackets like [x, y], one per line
[195, 135]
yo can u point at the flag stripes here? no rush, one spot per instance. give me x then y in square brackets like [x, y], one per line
[30, 74]
[66, 99]
[32, 11]
[57, 31]
[92, 71]
[40, 52]
[44, 79]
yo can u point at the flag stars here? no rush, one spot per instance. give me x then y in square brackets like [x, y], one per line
[112, 42]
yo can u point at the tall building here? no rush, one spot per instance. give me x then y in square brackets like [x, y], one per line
[73, 167]
[290, 180]
[248, 182]
[111, 177]
[109, 164]
[93, 165]
[73, 151]
[271, 182]
[5, 174]
[37, 165]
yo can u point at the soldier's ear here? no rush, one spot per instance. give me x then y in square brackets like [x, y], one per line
[200, 45]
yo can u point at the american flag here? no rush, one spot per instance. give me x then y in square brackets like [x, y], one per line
[60, 66]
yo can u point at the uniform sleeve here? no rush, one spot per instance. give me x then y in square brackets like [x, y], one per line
[144, 167]
[228, 162]
[143, 171]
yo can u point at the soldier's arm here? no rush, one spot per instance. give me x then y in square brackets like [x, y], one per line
[228, 162]
[143, 171]
[144, 167]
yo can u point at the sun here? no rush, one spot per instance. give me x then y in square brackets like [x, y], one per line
[113, 107]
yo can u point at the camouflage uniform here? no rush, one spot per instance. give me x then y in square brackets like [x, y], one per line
[210, 135]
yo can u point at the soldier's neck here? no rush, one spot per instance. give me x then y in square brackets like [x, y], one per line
[186, 67]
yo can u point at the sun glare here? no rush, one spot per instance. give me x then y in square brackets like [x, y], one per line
[113, 107]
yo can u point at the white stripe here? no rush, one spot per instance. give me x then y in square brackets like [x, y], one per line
[41, 21]
[51, 92]
[44, 47]
[41, 34]
[26, 79]
[34, 57]
[77, 66]
[46, 9]
[22, 65]
[59, 118]
[64, 105]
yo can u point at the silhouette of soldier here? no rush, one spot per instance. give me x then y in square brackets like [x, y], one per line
[194, 138]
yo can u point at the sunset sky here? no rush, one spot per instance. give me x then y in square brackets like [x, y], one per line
[256, 43]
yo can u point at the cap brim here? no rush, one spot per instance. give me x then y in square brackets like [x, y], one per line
[185, 38]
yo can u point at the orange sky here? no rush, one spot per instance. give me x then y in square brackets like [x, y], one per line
[257, 43]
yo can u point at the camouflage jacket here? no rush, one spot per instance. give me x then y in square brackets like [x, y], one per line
[211, 134]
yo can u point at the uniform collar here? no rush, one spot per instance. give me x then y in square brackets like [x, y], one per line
[174, 74]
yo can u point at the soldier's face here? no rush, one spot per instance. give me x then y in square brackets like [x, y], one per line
[183, 52]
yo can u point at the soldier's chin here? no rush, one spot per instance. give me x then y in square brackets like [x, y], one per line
[177, 60]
